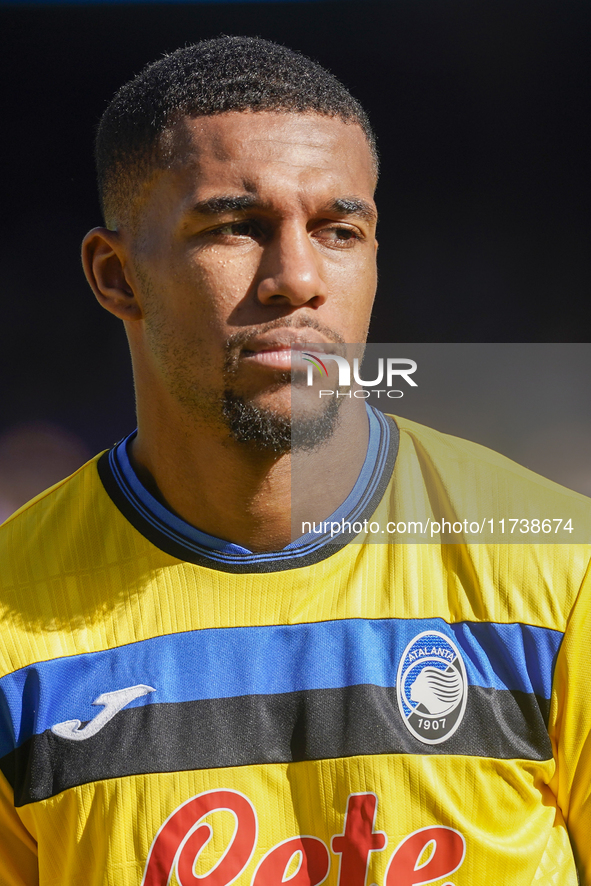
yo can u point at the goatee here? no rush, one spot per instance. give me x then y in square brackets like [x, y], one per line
[274, 432]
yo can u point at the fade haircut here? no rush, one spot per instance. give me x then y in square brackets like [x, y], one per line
[210, 77]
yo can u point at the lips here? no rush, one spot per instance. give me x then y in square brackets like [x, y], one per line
[275, 350]
[279, 358]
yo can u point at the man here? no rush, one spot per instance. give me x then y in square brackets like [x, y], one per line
[188, 694]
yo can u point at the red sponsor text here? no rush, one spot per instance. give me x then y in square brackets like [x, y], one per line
[423, 857]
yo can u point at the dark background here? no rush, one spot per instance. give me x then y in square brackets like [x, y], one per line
[482, 115]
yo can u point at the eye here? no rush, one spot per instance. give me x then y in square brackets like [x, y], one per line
[237, 229]
[338, 236]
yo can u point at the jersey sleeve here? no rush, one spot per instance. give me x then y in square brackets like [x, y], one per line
[18, 850]
[571, 730]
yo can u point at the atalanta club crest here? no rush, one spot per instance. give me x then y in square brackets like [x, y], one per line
[432, 687]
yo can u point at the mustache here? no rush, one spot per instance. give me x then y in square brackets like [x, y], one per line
[238, 339]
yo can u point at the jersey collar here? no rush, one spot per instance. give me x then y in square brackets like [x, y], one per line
[176, 537]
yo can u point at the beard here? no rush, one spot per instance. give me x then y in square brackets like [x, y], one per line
[274, 432]
[261, 428]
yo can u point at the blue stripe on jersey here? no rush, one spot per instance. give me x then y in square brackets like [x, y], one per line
[227, 662]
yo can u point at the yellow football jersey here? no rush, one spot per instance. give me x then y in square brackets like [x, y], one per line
[176, 712]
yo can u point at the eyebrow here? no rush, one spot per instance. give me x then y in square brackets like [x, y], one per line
[242, 203]
[219, 205]
[353, 206]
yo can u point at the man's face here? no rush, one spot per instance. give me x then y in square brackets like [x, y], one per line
[261, 234]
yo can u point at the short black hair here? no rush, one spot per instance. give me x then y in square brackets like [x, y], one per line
[210, 77]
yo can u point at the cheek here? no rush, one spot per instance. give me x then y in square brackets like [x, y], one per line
[353, 301]
[215, 282]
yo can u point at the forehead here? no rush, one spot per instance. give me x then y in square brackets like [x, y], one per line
[272, 154]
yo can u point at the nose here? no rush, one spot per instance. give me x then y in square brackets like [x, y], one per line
[290, 270]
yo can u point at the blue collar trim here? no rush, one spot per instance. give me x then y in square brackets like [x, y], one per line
[180, 532]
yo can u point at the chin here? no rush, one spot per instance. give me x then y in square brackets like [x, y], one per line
[268, 427]
[257, 426]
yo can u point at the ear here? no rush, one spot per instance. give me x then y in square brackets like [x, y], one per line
[104, 257]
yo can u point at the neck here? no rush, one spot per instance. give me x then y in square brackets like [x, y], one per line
[237, 492]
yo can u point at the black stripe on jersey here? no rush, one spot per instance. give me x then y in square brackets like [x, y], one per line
[319, 549]
[282, 728]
